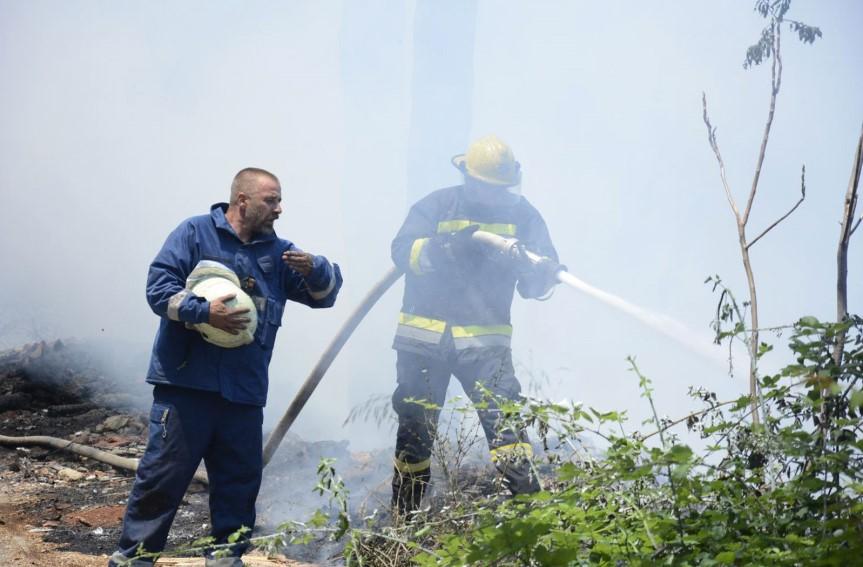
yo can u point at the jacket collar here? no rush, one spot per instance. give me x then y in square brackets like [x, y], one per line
[217, 213]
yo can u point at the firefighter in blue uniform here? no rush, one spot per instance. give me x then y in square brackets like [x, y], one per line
[208, 399]
[455, 317]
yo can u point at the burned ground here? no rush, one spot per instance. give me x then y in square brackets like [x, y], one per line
[63, 503]
[75, 503]
[59, 508]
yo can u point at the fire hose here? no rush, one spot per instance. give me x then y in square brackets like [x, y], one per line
[507, 247]
[327, 358]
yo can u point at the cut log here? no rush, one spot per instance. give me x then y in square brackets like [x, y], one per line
[115, 461]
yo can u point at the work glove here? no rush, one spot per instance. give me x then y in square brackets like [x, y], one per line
[547, 269]
[453, 246]
[537, 278]
[525, 267]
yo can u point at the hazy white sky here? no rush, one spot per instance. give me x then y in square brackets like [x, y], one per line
[121, 119]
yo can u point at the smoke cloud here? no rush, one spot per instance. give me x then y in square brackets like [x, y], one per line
[120, 120]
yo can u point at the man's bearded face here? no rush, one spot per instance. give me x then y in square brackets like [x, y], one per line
[264, 208]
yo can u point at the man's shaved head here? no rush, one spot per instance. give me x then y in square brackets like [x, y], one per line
[247, 181]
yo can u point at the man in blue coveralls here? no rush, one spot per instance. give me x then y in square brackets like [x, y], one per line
[208, 400]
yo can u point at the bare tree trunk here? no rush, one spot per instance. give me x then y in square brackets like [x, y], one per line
[753, 335]
[848, 228]
[742, 217]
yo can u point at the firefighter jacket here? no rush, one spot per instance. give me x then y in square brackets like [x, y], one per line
[181, 357]
[469, 297]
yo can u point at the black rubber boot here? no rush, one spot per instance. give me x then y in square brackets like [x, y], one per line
[408, 490]
[518, 474]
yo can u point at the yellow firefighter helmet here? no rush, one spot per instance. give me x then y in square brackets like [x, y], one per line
[491, 161]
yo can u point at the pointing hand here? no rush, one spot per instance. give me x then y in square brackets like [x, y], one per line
[300, 261]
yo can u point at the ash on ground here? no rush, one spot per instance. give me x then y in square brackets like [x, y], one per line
[62, 389]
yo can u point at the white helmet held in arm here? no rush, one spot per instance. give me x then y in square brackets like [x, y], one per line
[212, 280]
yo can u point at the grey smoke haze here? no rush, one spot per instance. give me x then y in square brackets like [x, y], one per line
[118, 120]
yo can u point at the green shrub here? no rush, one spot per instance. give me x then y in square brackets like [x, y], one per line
[785, 493]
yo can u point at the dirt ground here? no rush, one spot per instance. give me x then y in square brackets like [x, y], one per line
[57, 508]
[23, 545]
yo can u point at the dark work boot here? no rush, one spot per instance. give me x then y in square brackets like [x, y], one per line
[408, 490]
[520, 478]
[120, 560]
[514, 463]
[223, 562]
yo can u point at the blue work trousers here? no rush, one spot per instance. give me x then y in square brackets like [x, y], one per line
[186, 426]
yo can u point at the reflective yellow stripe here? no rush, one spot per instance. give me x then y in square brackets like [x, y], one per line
[405, 467]
[497, 228]
[480, 330]
[494, 228]
[418, 322]
[523, 450]
[416, 250]
[452, 225]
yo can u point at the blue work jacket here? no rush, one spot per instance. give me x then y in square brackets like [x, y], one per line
[181, 357]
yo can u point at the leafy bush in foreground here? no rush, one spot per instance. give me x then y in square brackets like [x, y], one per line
[785, 493]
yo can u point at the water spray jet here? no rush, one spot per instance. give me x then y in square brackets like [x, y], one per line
[671, 328]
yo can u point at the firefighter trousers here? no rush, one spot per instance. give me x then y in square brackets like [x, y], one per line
[426, 378]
